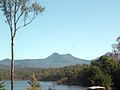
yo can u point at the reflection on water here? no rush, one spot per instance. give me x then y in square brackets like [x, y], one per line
[23, 85]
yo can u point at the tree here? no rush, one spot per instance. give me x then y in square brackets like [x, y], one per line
[116, 49]
[106, 64]
[34, 84]
[111, 67]
[18, 14]
[2, 86]
[93, 75]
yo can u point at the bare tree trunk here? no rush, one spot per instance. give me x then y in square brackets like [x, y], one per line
[12, 63]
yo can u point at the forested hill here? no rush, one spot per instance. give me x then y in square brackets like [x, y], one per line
[53, 61]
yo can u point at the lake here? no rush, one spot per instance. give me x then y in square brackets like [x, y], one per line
[23, 85]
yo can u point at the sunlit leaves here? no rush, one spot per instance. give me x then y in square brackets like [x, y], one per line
[2, 85]
[34, 84]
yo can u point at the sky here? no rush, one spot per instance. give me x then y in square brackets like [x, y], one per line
[83, 28]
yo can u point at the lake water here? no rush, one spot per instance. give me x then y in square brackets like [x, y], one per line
[23, 85]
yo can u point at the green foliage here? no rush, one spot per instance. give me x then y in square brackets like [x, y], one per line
[109, 67]
[34, 84]
[52, 74]
[2, 86]
[116, 78]
[106, 64]
[104, 72]
[94, 76]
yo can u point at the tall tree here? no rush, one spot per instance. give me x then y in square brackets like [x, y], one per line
[18, 14]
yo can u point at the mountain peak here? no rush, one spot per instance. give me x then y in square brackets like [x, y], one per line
[68, 55]
[54, 54]
[57, 55]
[61, 54]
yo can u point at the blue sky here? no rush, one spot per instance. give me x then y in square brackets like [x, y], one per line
[84, 28]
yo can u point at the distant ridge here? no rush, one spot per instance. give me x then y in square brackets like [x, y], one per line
[53, 61]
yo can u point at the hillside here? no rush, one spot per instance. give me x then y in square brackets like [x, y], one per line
[53, 61]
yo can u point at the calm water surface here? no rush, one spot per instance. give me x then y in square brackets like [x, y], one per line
[23, 85]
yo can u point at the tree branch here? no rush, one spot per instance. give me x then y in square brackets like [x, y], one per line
[15, 11]
[25, 24]
[19, 17]
[11, 30]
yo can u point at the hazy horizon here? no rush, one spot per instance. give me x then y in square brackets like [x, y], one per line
[52, 54]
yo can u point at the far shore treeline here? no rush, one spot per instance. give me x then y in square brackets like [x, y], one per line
[103, 71]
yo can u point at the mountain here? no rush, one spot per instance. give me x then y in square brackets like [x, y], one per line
[53, 61]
